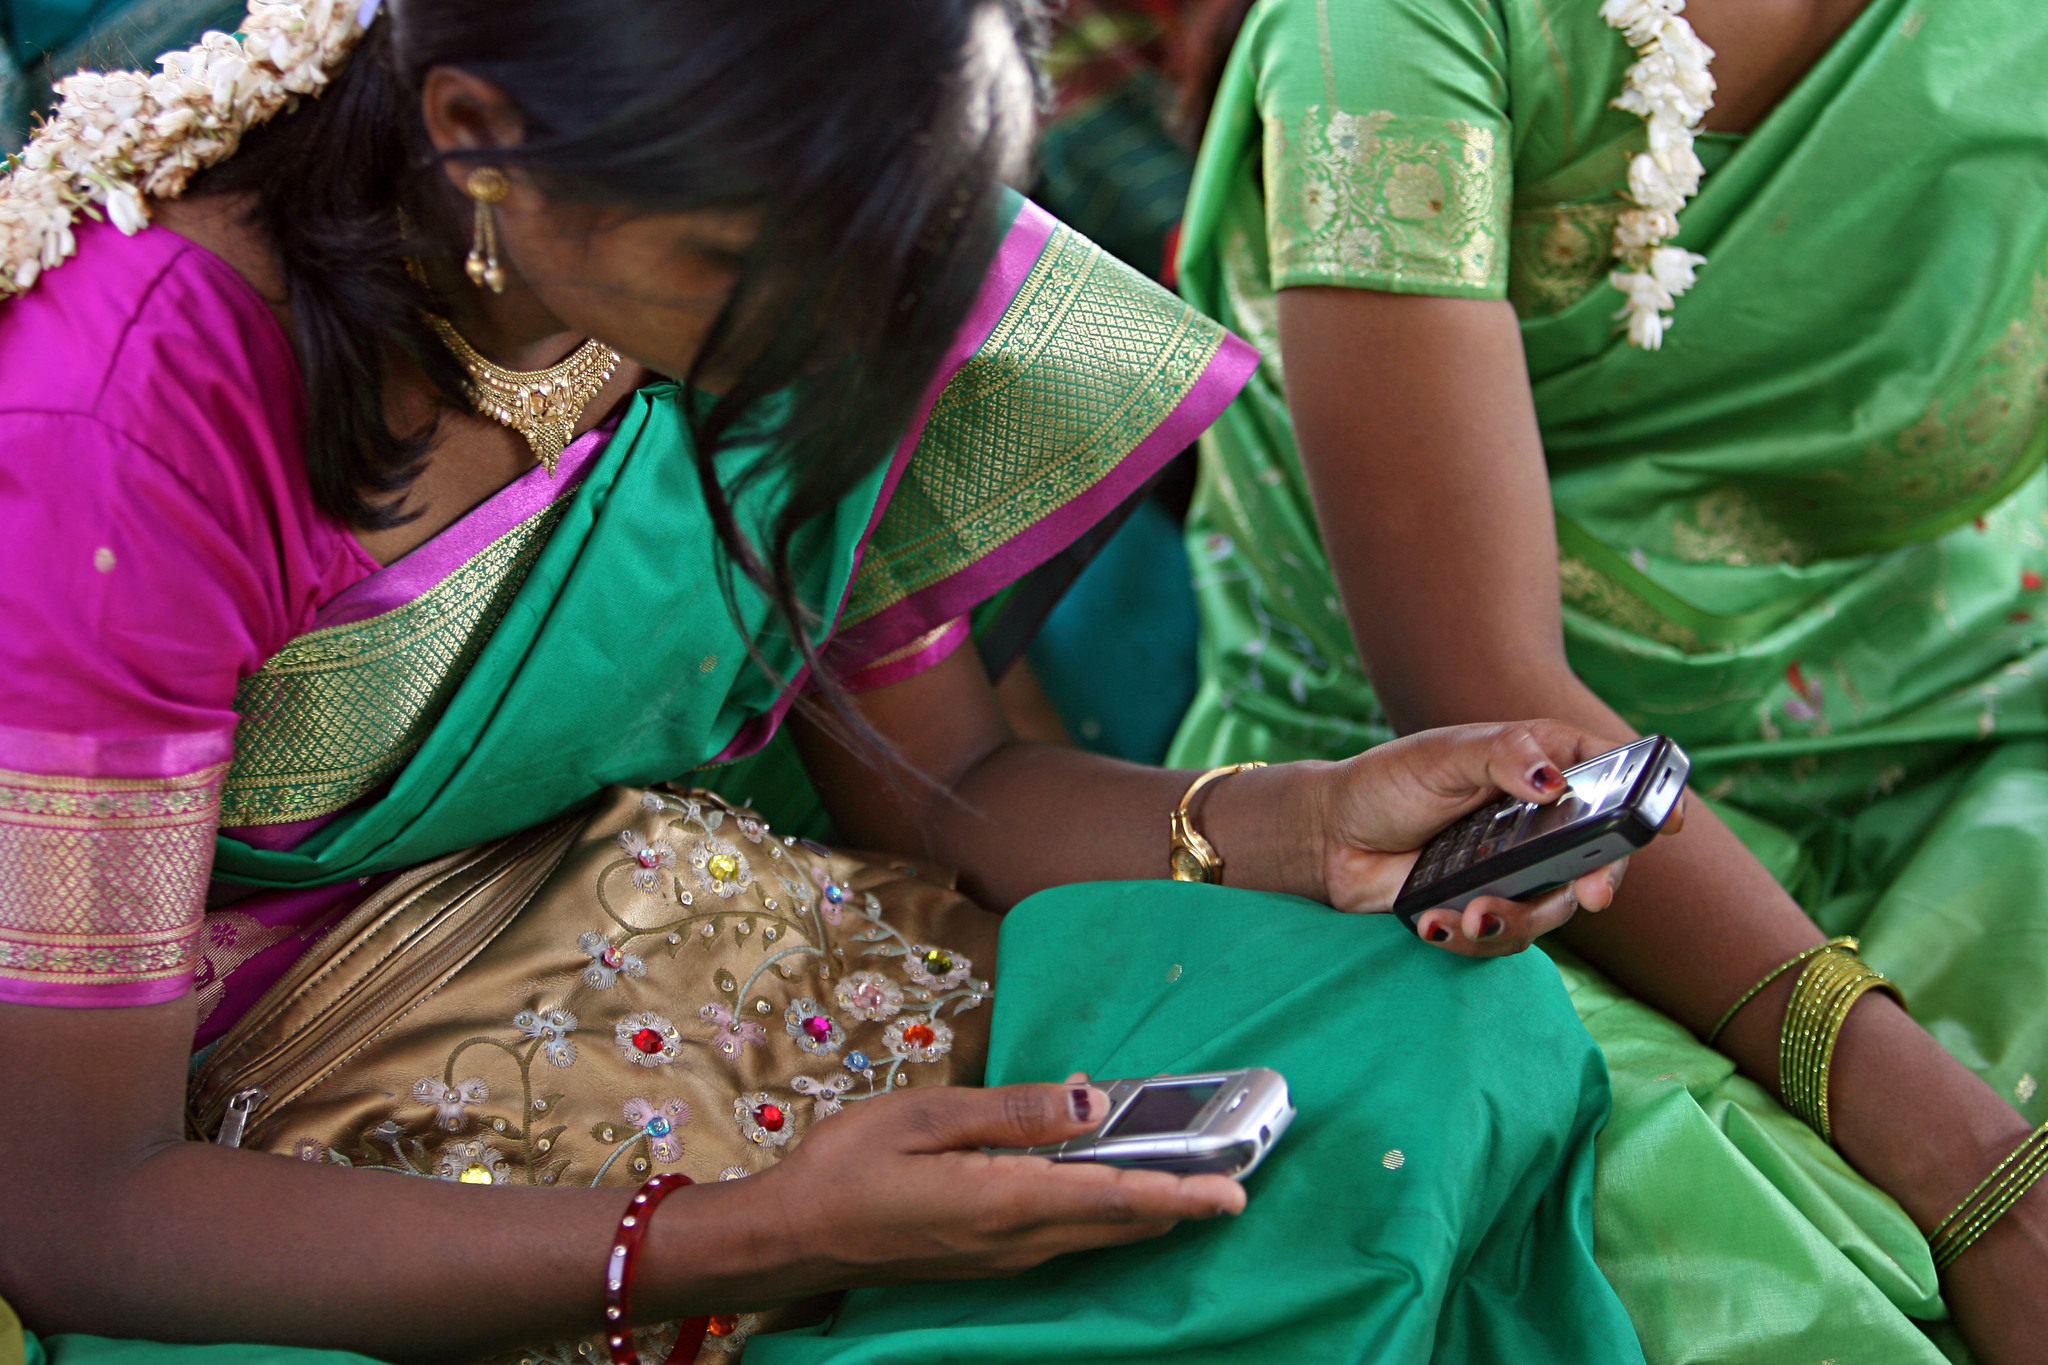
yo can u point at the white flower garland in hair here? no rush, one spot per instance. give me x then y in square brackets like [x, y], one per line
[1671, 87]
[120, 138]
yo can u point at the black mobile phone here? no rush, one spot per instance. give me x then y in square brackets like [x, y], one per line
[1612, 806]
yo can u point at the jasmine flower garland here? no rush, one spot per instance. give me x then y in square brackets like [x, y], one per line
[120, 138]
[1671, 88]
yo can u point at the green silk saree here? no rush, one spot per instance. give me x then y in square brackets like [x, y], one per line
[1806, 538]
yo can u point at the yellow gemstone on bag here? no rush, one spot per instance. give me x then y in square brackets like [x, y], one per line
[475, 1174]
[723, 867]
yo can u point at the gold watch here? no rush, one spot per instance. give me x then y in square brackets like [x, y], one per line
[1193, 858]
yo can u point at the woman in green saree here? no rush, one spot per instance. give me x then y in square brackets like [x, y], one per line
[1803, 535]
[305, 589]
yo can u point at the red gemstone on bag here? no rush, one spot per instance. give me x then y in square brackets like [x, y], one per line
[769, 1116]
[819, 1028]
[919, 1035]
[721, 1324]
[612, 956]
[648, 1041]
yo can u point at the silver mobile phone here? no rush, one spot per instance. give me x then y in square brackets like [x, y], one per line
[1612, 806]
[1218, 1122]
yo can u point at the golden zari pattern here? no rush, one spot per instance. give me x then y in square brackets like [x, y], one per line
[338, 711]
[1086, 361]
[1559, 253]
[103, 880]
[1388, 201]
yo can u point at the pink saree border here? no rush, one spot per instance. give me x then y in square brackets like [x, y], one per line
[926, 651]
[1021, 247]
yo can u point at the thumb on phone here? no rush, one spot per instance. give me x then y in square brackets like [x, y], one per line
[952, 1118]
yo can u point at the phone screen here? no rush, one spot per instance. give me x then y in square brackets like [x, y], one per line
[1596, 788]
[1163, 1109]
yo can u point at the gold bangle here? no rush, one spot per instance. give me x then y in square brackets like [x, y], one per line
[1986, 1204]
[1190, 857]
[1829, 987]
[1787, 965]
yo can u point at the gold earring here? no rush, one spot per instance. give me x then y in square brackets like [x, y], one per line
[488, 186]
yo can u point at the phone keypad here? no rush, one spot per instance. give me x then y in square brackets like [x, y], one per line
[1464, 843]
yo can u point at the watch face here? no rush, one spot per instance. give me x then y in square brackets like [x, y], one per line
[1187, 867]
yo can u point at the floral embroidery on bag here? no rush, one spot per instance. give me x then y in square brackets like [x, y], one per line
[825, 1092]
[648, 1039]
[472, 1163]
[814, 1030]
[653, 858]
[734, 1033]
[918, 1040]
[552, 1028]
[870, 995]
[761, 1119]
[721, 867]
[450, 1101]
[935, 968]
[607, 963]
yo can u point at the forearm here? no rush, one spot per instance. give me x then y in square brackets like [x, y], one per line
[116, 1227]
[199, 1243]
[1031, 816]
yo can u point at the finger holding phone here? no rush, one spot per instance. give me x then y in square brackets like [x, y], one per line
[1503, 791]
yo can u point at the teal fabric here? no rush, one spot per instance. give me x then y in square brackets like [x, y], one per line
[1117, 656]
[1472, 1245]
[81, 1350]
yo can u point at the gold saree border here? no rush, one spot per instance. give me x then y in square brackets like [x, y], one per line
[102, 879]
[1085, 363]
[339, 710]
[1388, 201]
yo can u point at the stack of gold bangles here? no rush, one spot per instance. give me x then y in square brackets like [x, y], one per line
[1833, 981]
[1834, 978]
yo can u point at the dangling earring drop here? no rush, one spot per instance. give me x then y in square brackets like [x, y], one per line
[488, 186]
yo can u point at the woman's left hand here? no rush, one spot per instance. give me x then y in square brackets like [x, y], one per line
[1379, 808]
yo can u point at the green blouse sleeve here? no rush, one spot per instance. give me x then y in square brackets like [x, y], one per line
[1386, 150]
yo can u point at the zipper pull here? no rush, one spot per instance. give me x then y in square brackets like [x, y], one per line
[236, 1121]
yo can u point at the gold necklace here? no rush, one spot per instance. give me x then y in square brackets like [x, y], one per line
[541, 405]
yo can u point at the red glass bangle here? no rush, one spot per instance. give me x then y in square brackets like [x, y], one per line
[618, 1278]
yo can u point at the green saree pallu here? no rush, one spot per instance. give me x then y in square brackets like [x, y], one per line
[1807, 538]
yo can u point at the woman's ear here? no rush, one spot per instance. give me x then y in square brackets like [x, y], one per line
[467, 113]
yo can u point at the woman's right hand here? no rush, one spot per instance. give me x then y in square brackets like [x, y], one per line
[899, 1188]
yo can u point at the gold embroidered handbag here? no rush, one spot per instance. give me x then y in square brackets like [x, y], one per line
[660, 983]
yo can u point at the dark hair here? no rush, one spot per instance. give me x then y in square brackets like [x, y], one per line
[852, 128]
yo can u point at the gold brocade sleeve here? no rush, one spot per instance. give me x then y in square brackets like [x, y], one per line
[1387, 201]
[102, 881]
[1088, 359]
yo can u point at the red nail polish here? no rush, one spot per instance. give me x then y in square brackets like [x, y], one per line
[1078, 1101]
[1439, 934]
[1546, 777]
[1491, 926]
